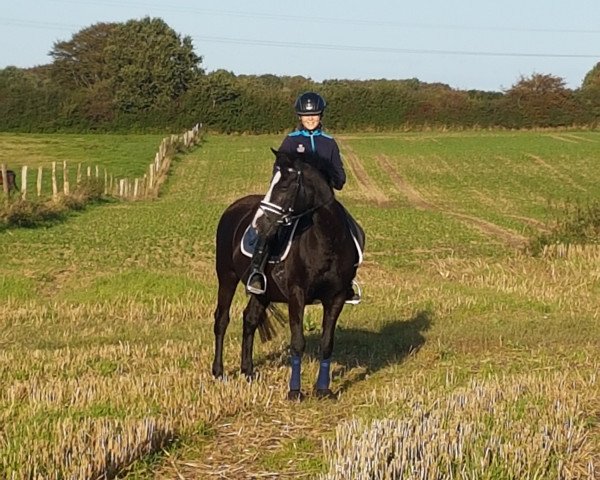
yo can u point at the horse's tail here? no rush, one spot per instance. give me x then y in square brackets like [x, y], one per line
[267, 328]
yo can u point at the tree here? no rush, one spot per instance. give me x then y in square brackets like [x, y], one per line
[589, 96]
[141, 64]
[592, 78]
[151, 64]
[81, 62]
[28, 101]
[542, 100]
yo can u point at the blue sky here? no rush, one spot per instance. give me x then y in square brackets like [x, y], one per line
[466, 44]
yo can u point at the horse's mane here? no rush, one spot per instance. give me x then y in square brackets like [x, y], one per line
[299, 161]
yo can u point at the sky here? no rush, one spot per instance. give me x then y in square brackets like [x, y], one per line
[467, 44]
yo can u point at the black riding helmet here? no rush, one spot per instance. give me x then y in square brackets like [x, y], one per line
[310, 103]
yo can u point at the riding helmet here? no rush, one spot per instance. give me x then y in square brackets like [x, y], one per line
[310, 103]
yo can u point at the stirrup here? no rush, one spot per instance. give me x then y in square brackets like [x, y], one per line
[263, 280]
[357, 297]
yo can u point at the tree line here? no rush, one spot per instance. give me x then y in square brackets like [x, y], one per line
[142, 76]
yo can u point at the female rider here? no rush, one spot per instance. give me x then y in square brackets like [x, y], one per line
[307, 139]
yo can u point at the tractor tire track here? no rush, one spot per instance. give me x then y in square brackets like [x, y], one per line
[416, 199]
[366, 184]
[556, 172]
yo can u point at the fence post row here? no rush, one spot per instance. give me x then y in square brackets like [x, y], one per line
[131, 189]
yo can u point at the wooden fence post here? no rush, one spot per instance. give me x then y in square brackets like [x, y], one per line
[54, 184]
[24, 182]
[66, 189]
[5, 182]
[78, 174]
[39, 181]
[151, 176]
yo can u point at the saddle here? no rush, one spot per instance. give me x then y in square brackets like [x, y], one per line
[282, 242]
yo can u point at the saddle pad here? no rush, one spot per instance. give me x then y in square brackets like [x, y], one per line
[282, 243]
[285, 235]
[358, 236]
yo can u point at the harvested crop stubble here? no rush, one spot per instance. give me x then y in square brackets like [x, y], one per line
[529, 426]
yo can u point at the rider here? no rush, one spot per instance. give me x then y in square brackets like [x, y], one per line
[308, 139]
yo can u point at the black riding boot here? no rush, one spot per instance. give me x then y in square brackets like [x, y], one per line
[257, 281]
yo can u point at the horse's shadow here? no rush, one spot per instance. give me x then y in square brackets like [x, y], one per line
[359, 352]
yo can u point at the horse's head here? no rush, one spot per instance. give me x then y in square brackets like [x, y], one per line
[298, 187]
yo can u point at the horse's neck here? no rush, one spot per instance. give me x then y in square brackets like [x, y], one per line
[328, 215]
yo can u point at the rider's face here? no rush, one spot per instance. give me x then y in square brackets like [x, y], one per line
[310, 122]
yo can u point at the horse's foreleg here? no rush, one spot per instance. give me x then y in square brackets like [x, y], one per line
[225, 296]
[331, 312]
[253, 315]
[296, 304]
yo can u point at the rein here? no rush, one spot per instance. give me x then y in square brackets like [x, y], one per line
[285, 217]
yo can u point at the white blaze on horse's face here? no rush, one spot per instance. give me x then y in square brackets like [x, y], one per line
[274, 182]
[260, 212]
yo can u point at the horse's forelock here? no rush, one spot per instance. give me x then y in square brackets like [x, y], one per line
[284, 160]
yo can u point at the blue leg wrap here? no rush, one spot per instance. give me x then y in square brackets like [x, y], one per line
[296, 369]
[323, 379]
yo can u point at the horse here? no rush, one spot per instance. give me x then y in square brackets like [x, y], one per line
[319, 268]
[11, 180]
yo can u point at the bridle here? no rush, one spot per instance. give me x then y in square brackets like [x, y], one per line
[286, 215]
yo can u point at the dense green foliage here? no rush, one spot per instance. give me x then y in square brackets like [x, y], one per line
[143, 76]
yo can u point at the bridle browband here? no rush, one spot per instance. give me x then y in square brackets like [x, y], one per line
[285, 215]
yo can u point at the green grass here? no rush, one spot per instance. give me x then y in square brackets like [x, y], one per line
[122, 156]
[106, 318]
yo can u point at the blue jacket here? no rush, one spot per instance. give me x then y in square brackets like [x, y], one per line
[326, 148]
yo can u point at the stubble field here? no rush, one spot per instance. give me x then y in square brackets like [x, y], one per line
[469, 357]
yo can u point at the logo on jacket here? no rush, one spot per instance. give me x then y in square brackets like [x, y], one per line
[300, 148]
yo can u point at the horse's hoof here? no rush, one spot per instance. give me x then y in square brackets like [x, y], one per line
[326, 393]
[295, 395]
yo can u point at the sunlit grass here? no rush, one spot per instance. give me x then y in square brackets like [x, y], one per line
[106, 324]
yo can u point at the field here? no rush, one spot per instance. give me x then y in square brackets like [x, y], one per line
[469, 357]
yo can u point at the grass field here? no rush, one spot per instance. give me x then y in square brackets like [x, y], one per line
[469, 358]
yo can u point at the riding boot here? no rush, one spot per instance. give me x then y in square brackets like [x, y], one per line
[257, 281]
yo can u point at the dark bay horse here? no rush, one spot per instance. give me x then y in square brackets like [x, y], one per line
[11, 181]
[320, 265]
